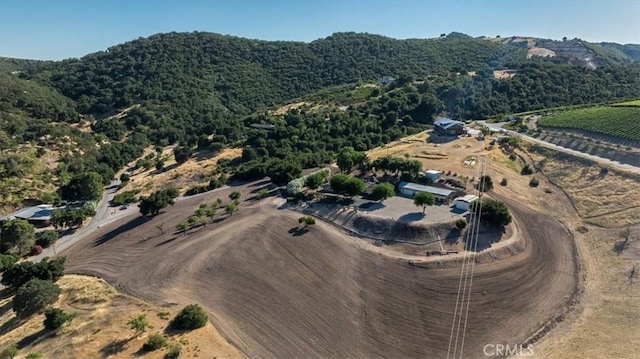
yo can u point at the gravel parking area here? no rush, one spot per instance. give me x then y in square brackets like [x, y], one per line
[403, 209]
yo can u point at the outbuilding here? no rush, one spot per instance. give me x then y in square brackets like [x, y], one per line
[39, 216]
[432, 175]
[448, 127]
[409, 189]
[464, 203]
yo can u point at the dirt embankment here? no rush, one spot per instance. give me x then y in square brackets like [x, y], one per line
[274, 290]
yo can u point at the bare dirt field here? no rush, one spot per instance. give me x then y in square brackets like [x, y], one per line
[100, 329]
[274, 291]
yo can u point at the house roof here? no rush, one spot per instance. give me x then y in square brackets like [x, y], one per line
[422, 188]
[432, 172]
[447, 122]
[36, 213]
[468, 198]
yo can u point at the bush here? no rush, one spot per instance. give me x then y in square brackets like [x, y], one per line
[461, 223]
[527, 170]
[33, 296]
[190, 317]
[155, 342]
[534, 182]
[9, 352]
[35, 250]
[503, 182]
[125, 177]
[124, 198]
[494, 213]
[173, 353]
[46, 238]
[25, 271]
[7, 261]
[33, 356]
[55, 318]
[382, 191]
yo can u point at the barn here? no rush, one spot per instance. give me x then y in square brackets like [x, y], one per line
[448, 127]
[409, 189]
[463, 203]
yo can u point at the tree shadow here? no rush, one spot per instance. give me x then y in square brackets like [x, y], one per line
[123, 228]
[167, 241]
[10, 324]
[453, 236]
[620, 246]
[38, 336]
[486, 237]
[298, 231]
[114, 347]
[412, 217]
[371, 206]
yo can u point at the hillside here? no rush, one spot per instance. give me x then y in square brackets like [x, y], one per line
[204, 90]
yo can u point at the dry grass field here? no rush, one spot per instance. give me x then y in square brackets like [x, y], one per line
[100, 329]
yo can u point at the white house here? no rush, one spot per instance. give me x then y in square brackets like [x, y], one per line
[432, 175]
[463, 203]
[410, 189]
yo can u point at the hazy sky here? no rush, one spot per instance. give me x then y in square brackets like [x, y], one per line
[57, 29]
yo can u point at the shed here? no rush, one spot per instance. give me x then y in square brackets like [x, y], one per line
[464, 202]
[410, 189]
[432, 175]
[448, 127]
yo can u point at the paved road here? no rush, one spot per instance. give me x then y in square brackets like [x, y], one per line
[606, 161]
[104, 215]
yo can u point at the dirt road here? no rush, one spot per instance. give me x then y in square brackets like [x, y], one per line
[275, 293]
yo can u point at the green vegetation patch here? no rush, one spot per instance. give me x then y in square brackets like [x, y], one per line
[621, 122]
[632, 103]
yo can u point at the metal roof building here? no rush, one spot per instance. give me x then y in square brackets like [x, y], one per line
[410, 189]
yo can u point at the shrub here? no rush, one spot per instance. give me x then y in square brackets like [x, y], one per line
[33, 296]
[155, 342]
[9, 352]
[503, 182]
[173, 353]
[33, 356]
[55, 318]
[124, 198]
[461, 223]
[35, 250]
[534, 182]
[23, 272]
[526, 170]
[138, 324]
[190, 317]
[125, 177]
[485, 183]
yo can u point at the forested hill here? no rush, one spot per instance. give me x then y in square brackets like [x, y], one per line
[201, 89]
[243, 75]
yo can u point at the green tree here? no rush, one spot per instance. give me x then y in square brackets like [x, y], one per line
[7, 261]
[348, 158]
[182, 227]
[86, 187]
[382, 191]
[210, 213]
[307, 220]
[17, 233]
[154, 342]
[424, 199]
[461, 223]
[235, 195]
[534, 182]
[503, 182]
[157, 201]
[282, 172]
[182, 154]
[314, 181]
[485, 183]
[494, 213]
[354, 187]
[138, 324]
[34, 296]
[230, 208]
[55, 318]
[190, 317]
[338, 182]
[22, 272]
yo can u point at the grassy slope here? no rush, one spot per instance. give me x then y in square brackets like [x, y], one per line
[622, 122]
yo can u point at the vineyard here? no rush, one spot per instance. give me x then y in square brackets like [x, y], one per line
[621, 122]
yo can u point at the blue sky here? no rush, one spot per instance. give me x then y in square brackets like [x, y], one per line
[58, 29]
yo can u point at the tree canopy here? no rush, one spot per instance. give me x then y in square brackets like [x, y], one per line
[154, 203]
[16, 233]
[34, 296]
[492, 212]
[382, 191]
[424, 199]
